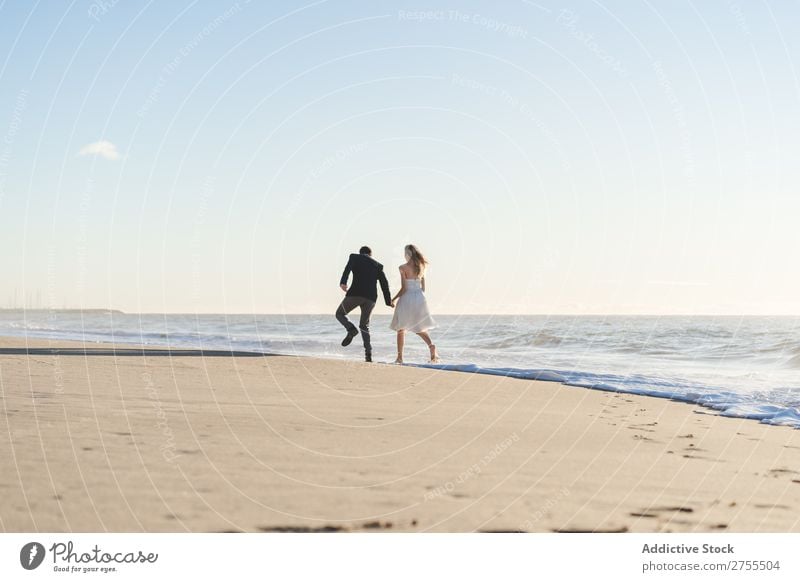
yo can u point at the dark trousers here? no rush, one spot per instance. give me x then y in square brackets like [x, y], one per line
[347, 305]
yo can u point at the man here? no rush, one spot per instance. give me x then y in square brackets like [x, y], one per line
[367, 272]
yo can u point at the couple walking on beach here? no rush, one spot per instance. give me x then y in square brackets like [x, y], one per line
[410, 306]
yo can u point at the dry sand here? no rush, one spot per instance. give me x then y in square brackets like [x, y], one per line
[177, 441]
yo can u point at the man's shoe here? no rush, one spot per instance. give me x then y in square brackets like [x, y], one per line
[349, 337]
[368, 358]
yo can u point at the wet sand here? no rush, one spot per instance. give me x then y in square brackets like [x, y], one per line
[128, 440]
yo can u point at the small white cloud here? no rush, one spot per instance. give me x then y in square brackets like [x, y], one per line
[102, 148]
[679, 283]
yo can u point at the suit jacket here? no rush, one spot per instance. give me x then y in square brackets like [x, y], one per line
[367, 272]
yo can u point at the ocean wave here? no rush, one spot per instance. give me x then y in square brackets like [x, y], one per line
[766, 413]
[520, 340]
[727, 402]
[782, 346]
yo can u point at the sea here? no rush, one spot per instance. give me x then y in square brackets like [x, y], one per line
[740, 366]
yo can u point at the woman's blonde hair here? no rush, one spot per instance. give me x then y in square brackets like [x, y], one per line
[417, 259]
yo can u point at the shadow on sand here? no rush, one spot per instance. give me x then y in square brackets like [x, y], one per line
[139, 352]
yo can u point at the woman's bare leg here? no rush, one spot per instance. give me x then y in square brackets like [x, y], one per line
[427, 339]
[401, 339]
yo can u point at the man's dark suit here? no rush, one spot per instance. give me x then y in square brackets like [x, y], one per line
[367, 273]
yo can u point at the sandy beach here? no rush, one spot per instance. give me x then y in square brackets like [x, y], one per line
[127, 440]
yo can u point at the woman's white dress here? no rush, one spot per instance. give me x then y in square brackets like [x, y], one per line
[411, 310]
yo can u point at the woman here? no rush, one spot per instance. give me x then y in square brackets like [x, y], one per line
[411, 310]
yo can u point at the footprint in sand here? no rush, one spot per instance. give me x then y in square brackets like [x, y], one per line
[780, 471]
[670, 508]
[299, 529]
[377, 525]
[668, 513]
[639, 427]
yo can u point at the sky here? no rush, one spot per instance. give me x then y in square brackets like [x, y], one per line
[548, 157]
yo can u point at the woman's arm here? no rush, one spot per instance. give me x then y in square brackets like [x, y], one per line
[402, 286]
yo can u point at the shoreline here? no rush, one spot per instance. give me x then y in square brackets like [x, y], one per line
[180, 440]
[743, 370]
[734, 406]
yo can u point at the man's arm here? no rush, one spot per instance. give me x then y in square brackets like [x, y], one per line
[387, 296]
[345, 275]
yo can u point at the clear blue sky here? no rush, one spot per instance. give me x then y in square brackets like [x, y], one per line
[582, 157]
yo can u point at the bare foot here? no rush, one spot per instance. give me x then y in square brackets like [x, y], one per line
[399, 360]
[434, 354]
